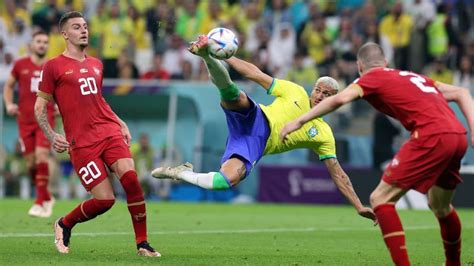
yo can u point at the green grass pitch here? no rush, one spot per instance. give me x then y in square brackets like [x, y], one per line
[217, 234]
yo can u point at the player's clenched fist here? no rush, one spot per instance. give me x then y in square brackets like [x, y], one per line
[60, 143]
[12, 109]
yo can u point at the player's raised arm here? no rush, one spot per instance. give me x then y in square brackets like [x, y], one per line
[463, 99]
[250, 71]
[10, 106]
[58, 141]
[324, 107]
[343, 183]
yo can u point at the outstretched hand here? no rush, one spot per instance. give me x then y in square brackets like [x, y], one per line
[288, 128]
[369, 214]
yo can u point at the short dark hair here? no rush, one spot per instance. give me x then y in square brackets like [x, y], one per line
[68, 15]
[371, 55]
[39, 32]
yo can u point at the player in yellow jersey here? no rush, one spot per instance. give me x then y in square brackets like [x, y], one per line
[254, 129]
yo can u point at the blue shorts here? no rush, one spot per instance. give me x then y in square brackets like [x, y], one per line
[248, 135]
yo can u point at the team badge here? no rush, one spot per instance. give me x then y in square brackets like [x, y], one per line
[96, 71]
[312, 132]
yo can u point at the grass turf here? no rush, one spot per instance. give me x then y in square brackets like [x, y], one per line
[215, 234]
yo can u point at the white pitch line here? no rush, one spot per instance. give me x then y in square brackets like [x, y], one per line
[221, 231]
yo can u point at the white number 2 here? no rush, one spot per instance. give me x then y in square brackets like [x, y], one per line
[88, 86]
[90, 169]
[418, 81]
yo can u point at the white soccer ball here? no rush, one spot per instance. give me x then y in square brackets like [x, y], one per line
[222, 43]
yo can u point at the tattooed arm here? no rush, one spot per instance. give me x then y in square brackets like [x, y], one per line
[58, 141]
[344, 185]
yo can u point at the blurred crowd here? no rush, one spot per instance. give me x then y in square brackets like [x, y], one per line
[293, 39]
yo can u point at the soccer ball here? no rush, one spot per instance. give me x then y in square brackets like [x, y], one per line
[222, 43]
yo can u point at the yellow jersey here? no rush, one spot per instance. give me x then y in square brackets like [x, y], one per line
[291, 102]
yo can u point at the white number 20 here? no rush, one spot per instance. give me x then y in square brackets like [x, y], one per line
[418, 81]
[88, 86]
[90, 169]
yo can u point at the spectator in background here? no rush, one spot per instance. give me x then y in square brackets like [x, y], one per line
[125, 67]
[7, 64]
[437, 35]
[173, 56]
[440, 72]
[46, 14]
[275, 13]
[365, 16]
[56, 42]
[281, 49]
[303, 71]
[423, 12]
[342, 43]
[143, 156]
[116, 35]
[19, 38]
[189, 20]
[214, 17]
[397, 27]
[371, 34]
[141, 39]
[464, 76]
[157, 71]
[257, 38]
[248, 22]
[98, 19]
[15, 168]
[315, 37]
[14, 11]
[160, 21]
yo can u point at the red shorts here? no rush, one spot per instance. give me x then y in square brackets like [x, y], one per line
[31, 136]
[427, 161]
[90, 162]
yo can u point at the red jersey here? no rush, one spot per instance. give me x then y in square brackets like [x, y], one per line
[411, 98]
[27, 75]
[77, 89]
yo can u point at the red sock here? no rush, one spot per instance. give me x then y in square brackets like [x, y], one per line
[451, 234]
[41, 183]
[86, 211]
[136, 204]
[393, 233]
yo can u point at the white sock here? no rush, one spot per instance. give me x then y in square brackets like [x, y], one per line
[204, 180]
[217, 73]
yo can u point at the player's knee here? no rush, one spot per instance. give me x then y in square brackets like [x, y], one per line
[41, 157]
[30, 162]
[375, 198]
[439, 210]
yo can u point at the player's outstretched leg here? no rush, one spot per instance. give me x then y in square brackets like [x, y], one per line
[449, 222]
[89, 209]
[230, 95]
[212, 180]
[383, 200]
